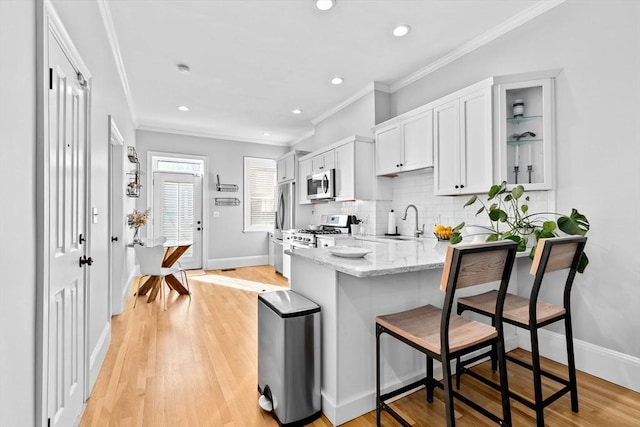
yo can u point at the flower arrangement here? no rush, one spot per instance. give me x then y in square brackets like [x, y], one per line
[138, 219]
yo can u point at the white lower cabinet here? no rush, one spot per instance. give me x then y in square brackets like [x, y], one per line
[463, 135]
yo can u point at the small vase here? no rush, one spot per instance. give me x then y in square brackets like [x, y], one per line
[136, 237]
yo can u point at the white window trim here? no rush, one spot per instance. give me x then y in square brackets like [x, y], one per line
[247, 228]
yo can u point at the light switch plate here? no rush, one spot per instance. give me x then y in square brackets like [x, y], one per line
[94, 215]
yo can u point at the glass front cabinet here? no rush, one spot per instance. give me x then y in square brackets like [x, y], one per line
[525, 119]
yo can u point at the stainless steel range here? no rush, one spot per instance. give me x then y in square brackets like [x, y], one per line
[329, 225]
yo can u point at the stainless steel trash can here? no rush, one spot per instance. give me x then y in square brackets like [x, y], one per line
[289, 357]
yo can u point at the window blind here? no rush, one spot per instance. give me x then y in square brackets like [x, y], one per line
[260, 180]
[177, 215]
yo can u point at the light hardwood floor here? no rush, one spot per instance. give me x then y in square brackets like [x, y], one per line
[196, 365]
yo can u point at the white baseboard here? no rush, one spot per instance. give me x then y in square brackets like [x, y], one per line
[121, 300]
[220, 263]
[610, 365]
[98, 354]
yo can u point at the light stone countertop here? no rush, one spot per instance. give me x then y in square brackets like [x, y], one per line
[387, 256]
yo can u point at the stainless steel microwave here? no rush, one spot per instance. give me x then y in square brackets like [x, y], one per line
[321, 186]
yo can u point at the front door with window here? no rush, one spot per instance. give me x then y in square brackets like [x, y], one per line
[177, 213]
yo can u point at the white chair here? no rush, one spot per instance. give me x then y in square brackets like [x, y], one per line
[150, 259]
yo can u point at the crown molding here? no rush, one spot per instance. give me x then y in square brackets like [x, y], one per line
[202, 133]
[508, 25]
[302, 137]
[107, 20]
[353, 98]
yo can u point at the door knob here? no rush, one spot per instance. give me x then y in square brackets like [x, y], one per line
[84, 260]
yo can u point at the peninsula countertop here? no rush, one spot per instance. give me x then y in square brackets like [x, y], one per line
[387, 256]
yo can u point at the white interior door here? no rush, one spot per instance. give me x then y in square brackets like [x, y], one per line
[117, 256]
[67, 212]
[177, 213]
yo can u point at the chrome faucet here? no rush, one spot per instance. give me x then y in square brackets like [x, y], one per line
[417, 232]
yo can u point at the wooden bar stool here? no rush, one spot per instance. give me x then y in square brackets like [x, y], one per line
[443, 336]
[552, 254]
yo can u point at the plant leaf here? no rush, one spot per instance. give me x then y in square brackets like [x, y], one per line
[517, 191]
[574, 224]
[549, 227]
[492, 238]
[455, 238]
[524, 208]
[582, 264]
[508, 198]
[458, 227]
[479, 211]
[494, 191]
[497, 215]
[471, 201]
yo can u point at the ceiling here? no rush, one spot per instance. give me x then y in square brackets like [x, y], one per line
[254, 61]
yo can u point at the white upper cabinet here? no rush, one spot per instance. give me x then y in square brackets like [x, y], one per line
[355, 179]
[405, 142]
[304, 170]
[286, 167]
[526, 143]
[353, 161]
[323, 161]
[463, 135]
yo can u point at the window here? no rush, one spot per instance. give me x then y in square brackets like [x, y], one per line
[259, 194]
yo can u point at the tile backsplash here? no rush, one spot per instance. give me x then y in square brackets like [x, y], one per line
[417, 188]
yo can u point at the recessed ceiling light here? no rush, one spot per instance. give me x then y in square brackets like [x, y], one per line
[184, 69]
[401, 30]
[297, 111]
[323, 4]
[183, 108]
[266, 134]
[337, 80]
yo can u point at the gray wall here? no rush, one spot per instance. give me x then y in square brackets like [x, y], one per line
[226, 158]
[597, 45]
[18, 212]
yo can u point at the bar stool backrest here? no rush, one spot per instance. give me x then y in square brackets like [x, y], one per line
[557, 253]
[150, 259]
[476, 264]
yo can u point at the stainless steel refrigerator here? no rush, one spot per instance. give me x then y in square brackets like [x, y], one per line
[285, 208]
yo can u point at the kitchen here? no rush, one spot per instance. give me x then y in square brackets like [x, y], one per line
[595, 45]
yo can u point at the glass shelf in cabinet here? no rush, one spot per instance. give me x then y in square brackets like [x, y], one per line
[522, 141]
[522, 119]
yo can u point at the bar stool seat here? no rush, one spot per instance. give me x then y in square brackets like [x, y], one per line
[444, 336]
[422, 326]
[554, 254]
[516, 308]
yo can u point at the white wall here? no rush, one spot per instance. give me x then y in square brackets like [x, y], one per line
[18, 212]
[226, 158]
[597, 45]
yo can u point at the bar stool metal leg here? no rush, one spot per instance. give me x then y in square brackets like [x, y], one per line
[537, 377]
[571, 363]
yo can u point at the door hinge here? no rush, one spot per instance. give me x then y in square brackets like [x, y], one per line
[50, 78]
[81, 79]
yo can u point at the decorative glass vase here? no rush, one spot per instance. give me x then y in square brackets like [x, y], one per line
[136, 237]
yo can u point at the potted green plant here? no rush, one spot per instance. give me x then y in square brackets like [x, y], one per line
[509, 216]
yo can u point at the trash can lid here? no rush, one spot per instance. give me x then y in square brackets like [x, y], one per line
[287, 303]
